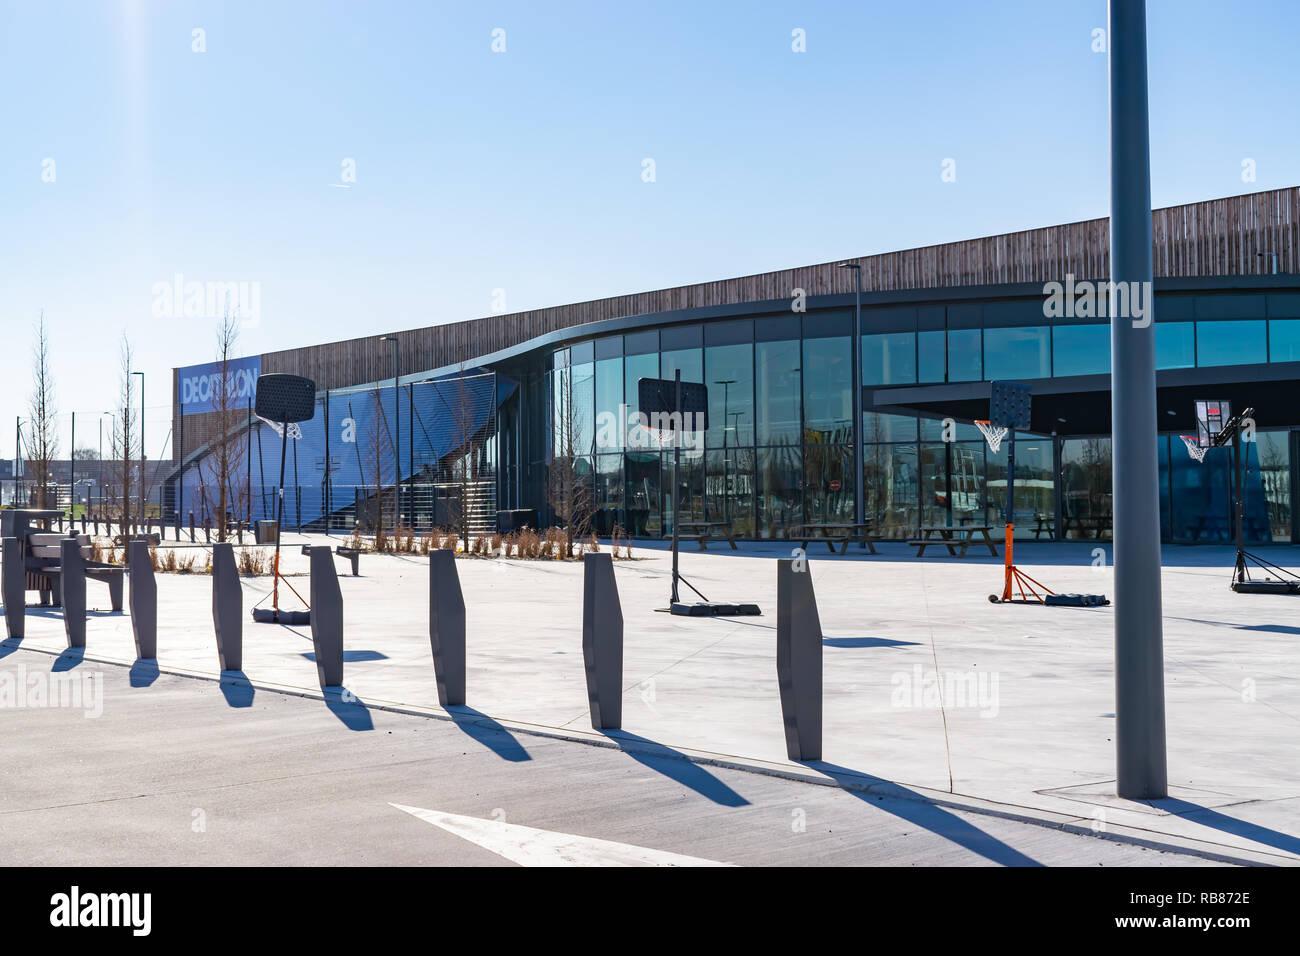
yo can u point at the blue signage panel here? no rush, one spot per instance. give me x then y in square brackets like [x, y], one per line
[197, 383]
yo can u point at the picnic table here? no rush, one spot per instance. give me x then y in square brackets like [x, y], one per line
[953, 538]
[841, 531]
[702, 532]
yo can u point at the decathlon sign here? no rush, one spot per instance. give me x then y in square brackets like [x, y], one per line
[200, 385]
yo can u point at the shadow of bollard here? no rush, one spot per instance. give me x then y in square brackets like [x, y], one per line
[143, 600]
[602, 641]
[326, 618]
[799, 659]
[72, 585]
[227, 607]
[446, 627]
[13, 588]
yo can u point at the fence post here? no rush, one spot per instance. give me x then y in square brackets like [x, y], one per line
[191, 527]
[799, 659]
[227, 607]
[143, 600]
[326, 618]
[446, 627]
[602, 641]
[14, 587]
[72, 585]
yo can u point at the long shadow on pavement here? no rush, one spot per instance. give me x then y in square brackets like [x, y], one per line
[10, 645]
[676, 766]
[865, 642]
[69, 659]
[143, 672]
[348, 708]
[236, 689]
[911, 806]
[486, 731]
[1226, 824]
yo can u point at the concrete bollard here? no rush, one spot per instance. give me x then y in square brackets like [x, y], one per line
[72, 584]
[14, 587]
[602, 641]
[83, 522]
[144, 601]
[227, 607]
[799, 659]
[207, 530]
[326, 618]
[191, 527]
[176, 526]
[446, 626]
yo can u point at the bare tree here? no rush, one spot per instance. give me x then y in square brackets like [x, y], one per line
[220, 468]
[568, 474]
[42, 426]
[379, 450]
[125, 442]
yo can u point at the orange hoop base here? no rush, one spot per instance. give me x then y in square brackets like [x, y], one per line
[1015, 579]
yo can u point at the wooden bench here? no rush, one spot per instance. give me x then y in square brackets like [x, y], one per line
[842, 532]
[352, 554]
[956, 540]
[43, 571]
[701, 532]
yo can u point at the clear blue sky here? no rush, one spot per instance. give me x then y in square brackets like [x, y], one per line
[522, 170]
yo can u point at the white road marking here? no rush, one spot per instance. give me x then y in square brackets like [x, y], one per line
[529, 846]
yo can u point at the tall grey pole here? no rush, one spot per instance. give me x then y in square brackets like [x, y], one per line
[1141, 770]
[859, 506]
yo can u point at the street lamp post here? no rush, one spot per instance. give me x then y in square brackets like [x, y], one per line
[726, 384]
[397, 439]
[858, 464]
[143, 521]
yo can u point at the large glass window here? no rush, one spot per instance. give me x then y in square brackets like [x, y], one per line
[890, 480]
[729, 374]
[1231, 343]
[608, 502]
[729, 489]
[776, 371]
[780, 496]
[881, 426]
[1284, 340]
[610, 417]
[828, 389]
[889, 359]
[828, 482]
[1035, 504]
[964, 355]
[637, 367]
[1085, 488]
[952, 483]
[1018, 353]
[1175, 345]
[930, 356]
[1080, 349]
[1271, 478]
[641, 493]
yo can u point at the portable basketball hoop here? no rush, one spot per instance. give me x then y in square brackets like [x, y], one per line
[283, 401]
[991, 434]
[1009, 410]
[1217, 427]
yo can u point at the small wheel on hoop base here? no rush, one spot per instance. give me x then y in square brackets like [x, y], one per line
[994, 599]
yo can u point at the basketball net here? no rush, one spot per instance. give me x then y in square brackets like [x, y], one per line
[1194, 447]
[992, 435]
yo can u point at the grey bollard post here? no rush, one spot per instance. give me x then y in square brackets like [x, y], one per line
[326, 618]
[446, 626]
[176, 526]
[227, 607]
[799, 659]
[602, 641]
[14, 587]
[191, 527]
[143, 601]
[207, 530]
[72, 584]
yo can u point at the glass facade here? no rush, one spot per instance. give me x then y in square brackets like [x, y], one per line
[778, 448]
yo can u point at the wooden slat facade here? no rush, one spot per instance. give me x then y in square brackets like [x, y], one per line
[1232, 236]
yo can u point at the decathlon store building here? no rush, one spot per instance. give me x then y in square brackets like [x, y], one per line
[485, 404]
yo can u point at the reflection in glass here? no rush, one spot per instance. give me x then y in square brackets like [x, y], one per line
[828, 389]
[1085, 488]
[729, 374]
[608, 501]
[891, 482]
[1035, 490]
[1080, 349]
[828, 482]
[1018, 353]
[889, 358]
[964, 351]
[780, 474]
[729, 489]
[641, 493]
[1175, 345]
[776, 370]
[609, 396]
[1284, 340]
[1231, 343]
[929, 356]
